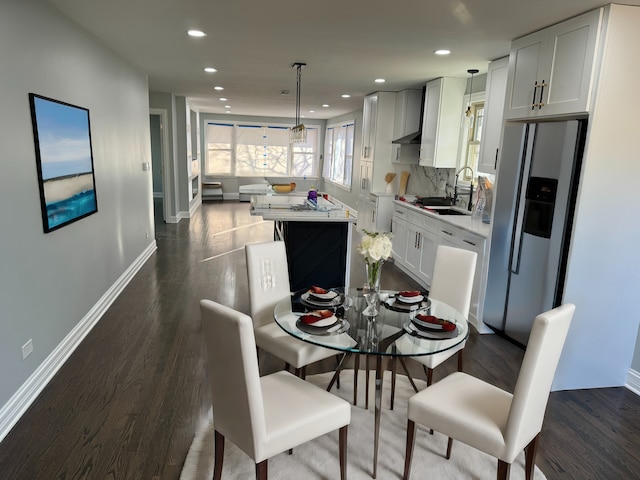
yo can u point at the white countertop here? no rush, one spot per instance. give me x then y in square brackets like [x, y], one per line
[283, 207]
[467, 222]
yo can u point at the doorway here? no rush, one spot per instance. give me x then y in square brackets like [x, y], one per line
[160, 166]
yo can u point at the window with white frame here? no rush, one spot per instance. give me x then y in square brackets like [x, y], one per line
[338, 153]
[472, 136]
[250, 150]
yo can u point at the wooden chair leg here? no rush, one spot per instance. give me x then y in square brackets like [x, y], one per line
[429, 373]
[337, 365]
[343, 452]
[261, 470]
[460, 357]
[219, 455]
[449, 445]
[287, 367]
[503, 470]
[530, 457]
[411, 436]
[291, 451]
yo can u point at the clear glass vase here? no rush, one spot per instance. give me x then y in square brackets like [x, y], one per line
[371, 289]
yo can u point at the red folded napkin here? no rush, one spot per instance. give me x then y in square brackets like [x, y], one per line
[316, 316]
[315, 289]
[447, 326]
[409, 293]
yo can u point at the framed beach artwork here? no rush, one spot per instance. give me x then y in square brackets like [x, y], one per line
[62, 136]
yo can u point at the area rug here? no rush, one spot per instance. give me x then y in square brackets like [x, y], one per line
[318, 459]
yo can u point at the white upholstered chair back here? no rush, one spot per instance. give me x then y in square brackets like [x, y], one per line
[538, 368]
[268, 274]
[236, 394]
[453, 275]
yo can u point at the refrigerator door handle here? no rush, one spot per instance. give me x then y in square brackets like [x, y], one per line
[520, 205]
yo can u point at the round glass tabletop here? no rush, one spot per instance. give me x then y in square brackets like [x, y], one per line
[391, 332]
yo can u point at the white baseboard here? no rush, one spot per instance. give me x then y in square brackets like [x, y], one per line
[11, 412]
[633, 381]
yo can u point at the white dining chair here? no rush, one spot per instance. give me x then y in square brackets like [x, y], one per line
[263, 416]
[488, 418]
[268, 275]
[453, 275]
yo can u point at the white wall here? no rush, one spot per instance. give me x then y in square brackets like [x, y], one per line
[50, 282]
[603, 271]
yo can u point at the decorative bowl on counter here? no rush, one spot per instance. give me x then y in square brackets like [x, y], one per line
[284, 187]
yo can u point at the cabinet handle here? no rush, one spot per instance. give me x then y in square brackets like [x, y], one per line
[399, 212]
[469, 242]
[533, 100]
[366, 152]
[415, 243]
[542, 85]
[495, 163]
[419, 239]
[448, 233]
[398, 152]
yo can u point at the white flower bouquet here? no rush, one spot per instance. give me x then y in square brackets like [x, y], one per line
[375, 248]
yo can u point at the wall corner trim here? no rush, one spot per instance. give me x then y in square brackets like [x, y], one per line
[18, 404]
[633, 381]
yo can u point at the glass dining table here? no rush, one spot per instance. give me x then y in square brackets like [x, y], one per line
[390, 332]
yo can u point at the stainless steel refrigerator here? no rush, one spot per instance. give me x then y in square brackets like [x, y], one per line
[535, 196]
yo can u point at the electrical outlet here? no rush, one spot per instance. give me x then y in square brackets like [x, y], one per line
[27, 348]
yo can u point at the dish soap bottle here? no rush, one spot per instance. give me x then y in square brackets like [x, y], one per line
[313, 195]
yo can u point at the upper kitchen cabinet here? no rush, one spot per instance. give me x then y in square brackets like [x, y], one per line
[551, 71]
[377, 134]
[441, 121]
[495, 92]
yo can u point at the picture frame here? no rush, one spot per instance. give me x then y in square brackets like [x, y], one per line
[64, 158]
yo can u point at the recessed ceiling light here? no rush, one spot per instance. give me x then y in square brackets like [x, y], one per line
[227, 111]
[312, 111]
[326, 105]
[379, 80]
[346, 95]
[222, 99]
[196, 33]
[227, 106]
[442, 52]
[210, 70]
[218, 88]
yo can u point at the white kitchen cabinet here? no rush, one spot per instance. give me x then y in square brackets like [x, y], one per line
[366, 177]
[412, 257]
[460, 238]
[428, 246]
[441, 122]
[375, 213]
[495, 93]
[377, 133]
[399, 240]
[551, 72]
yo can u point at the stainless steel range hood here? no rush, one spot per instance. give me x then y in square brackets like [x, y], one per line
[413, 138]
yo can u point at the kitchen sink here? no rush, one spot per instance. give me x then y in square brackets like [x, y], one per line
[449, 211]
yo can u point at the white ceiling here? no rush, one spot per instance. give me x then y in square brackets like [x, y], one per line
[346, 44]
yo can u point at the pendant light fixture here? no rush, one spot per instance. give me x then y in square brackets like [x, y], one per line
[298, 134]
[467, 120]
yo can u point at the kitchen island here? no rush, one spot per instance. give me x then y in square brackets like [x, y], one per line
[317, 237]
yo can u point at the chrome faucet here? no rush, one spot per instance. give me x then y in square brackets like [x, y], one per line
[455, 187]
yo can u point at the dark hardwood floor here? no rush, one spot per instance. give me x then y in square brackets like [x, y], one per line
[128, 401]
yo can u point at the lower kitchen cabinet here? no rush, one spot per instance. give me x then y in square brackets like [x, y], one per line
[457, 237]
[416, 237]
